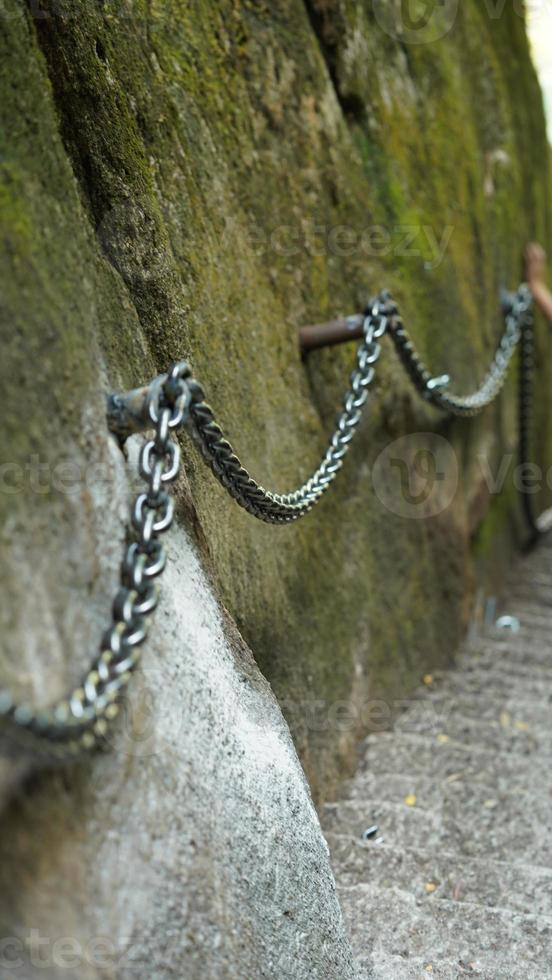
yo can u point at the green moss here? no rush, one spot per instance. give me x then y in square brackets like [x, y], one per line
[153, 157]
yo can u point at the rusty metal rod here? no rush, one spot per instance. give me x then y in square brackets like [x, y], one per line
[127, 411]
[328, 334]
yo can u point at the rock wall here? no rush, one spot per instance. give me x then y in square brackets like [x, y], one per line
[192, 847]
[198, 180]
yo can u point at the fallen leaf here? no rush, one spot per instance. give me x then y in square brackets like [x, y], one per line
[429, 968]
[521, 726]
[411, 800]
[443, 739]
[490, 804]
[428, 679]
[505, 719]
[430, 887]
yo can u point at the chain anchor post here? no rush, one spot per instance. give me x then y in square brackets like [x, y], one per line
[127, 412]
[340, 331]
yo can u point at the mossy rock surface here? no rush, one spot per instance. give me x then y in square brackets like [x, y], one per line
[197, 180]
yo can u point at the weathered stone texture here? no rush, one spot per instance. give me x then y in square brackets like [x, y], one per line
[192, 848]
[156, 161]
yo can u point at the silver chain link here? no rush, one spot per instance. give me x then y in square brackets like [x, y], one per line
[81, 721]
[177, 400]
[525, 407]
[264, 504]
[435, 389]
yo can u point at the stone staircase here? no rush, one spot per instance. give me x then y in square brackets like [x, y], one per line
[456, 881]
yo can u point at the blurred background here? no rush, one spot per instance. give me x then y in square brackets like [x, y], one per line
[539, 28]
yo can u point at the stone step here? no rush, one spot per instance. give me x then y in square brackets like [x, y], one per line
[417, 933]
[460, 791]
[523, 732]
[498, 683]
[522, 888]
[515, 824]
[422, 755]
[529, 633]
[489, 662]
[457, 881]
[433, 707]
[517, 652]
[382, 966]
[537, 595]
[512, 831]
[531, 612]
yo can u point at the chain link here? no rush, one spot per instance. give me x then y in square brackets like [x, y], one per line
[177, 400]
[525, 406]
[435, 389]
[264, 504]
[81, 722]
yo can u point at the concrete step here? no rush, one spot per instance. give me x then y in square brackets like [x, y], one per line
[537, 596]
[524, 731]
[527, 651]
[381, 966]
[532, 612]
[499, 682]
[421, 755]
[436, 707]
[391, 928]
[457, 881]
[529, 606]
[522, 657]
[504, 828]
[525, 889]
[522, 651]
[459, 791]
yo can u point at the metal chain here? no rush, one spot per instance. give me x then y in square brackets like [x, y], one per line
[525, 406]
[81, 721]
[264, 504]
[435, 389]
[177, 400]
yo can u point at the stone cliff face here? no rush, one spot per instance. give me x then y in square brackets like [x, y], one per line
[197, 181]
[190, 849]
